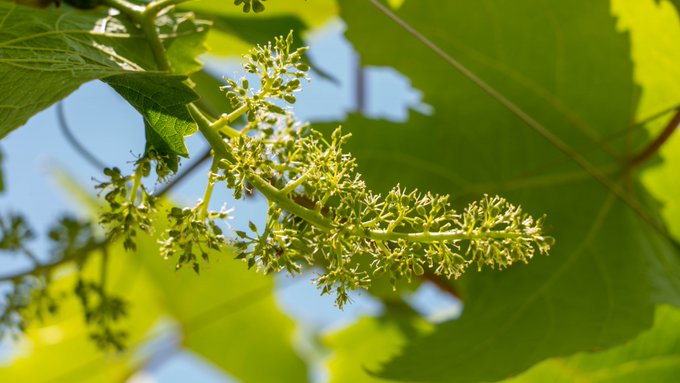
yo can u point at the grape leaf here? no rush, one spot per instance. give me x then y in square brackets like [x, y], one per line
[366, 344]
[654, 356]
[47, 54]
[280, 16]
[162, 101]
[228, 315]
[60, 349]
[676, 3]
[567, 66]
[655, 52]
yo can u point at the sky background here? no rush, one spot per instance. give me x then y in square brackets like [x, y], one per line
[110, 128]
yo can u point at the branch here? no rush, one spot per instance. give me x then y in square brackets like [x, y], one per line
[181, 176]
[655, 145]
[71, 138]
[442, 284]
[49, 266]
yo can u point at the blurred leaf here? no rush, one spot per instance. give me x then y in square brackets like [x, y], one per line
[567, 66]
[676, 3]
[162, 101]
[654, 356]
[363, 346]
[213, 100]
[49, 53]
[235, 31]
[252, 31]
[183, 36]
[228, 315]
[259, 30]
[60, 350]
[656, 54]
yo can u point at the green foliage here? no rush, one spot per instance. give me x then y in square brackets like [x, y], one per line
[362, 348]
[102, 311]
[191, 235]
[124, 216]
[567, 66]
[651, 357]
[60, 50]
[14, 231]
[560, 304]
[162, 101]
[248, 5]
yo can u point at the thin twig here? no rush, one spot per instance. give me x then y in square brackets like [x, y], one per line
[527, 119]
[49, 266]
[181, 176]
[443, 284]
[655, 145]
[73, 140]
[360, 86]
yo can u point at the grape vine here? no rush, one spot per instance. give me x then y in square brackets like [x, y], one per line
[321, 212]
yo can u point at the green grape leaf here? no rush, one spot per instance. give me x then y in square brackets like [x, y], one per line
[60, 349]
[47, 54]
[655, 53]
[234, 32]
[567, 66]
[654, 356]
[228, 315]
[162, 101]
[183, 36]
[259, 30]
[676, 3]
[366, 344]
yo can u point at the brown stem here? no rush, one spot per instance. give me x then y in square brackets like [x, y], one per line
[655, 145]
[443, 284]
[360, 84]
[182, 176]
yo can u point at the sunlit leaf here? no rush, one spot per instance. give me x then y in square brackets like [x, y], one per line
[654, 356]
[567, 66]
[162, 101]
[47, 54]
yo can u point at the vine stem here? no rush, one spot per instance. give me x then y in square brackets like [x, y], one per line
[442, 284]
[655, 145]
[154, 40]
[318, 220]
[49, 266]
[145, 16]
[155, 7]
[209, 189]
[227, 119]
[137, 182]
